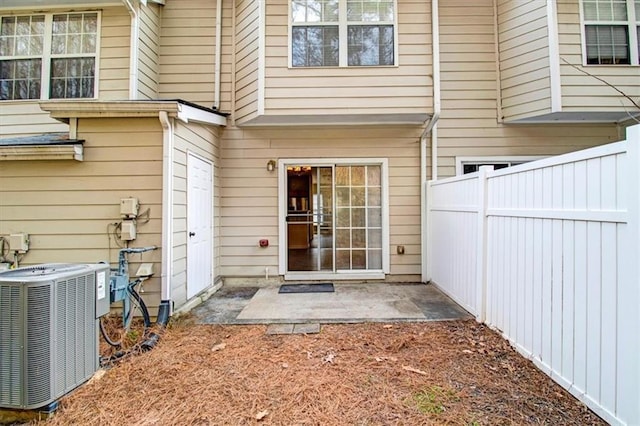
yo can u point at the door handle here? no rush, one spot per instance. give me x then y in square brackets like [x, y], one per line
[192, 234]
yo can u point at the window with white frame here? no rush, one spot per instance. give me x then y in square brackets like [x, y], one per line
[329, 33]
[466, 165]
[48, 56]
[611, 32]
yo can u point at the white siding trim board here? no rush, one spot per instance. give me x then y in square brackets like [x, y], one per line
[262, 42]
[554, 56]
[133, 48]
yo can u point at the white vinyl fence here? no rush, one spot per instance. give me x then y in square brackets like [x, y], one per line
[548, 253]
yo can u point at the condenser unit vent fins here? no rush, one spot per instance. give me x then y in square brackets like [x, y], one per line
[11, 361]
[48, 313]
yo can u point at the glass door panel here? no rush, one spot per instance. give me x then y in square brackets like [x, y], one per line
[310, 218]
[358, 218]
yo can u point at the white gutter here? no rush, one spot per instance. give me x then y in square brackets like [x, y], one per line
[216, 100]
[433, 129]
[167, 205]
[133, 52]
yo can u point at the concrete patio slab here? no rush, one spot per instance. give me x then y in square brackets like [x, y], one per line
[351, 302]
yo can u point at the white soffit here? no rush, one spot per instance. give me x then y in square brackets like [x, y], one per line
[416, 119]
[581, 117]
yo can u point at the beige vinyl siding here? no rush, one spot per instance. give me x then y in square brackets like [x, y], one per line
[406, 88]
[66, 206]
[114, 54]
[581, 92]
[203, 141]
[25, 118]
[246, 55]
[468, 125]
[523, 38]
[250, 193]
[149, 47]
[187, 51]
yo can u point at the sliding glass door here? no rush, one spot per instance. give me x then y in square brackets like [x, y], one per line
[334, 218]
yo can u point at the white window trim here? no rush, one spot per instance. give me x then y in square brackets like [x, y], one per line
[461, 161]
[342, 23]
[632, 23]
[45, 83]
[282, 215]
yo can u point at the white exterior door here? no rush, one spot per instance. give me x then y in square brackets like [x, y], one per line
[199, 225]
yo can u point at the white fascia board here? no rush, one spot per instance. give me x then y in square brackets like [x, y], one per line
[188, 113]
[75, 108]
[42, 152]
[130, 109]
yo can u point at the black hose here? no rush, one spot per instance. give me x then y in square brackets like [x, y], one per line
[152, 338]
[163, 313]
[162, 320]
[113, 343]
[141, 304]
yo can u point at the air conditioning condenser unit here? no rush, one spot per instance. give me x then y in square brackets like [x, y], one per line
[49, 330]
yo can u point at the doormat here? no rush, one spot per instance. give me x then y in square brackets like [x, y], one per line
[307, 288]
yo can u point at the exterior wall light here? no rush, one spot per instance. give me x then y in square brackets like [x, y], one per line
[271, 165]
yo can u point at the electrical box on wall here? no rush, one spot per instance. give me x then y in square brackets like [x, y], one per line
[128, 230]
[129, 207]
[19, 242]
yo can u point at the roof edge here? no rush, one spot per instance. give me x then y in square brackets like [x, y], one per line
[186, 111]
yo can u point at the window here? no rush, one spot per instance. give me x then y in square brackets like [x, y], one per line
[611, 31]
[329, 33]
[466, 165]
[48, 56]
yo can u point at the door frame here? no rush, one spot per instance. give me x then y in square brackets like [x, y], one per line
[282, 218]
[191, 154]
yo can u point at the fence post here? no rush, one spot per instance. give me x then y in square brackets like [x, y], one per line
[629, 292]
[481, 246]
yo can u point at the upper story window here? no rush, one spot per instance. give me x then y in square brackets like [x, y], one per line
[329, 33]
[48, 56]
[612, 31]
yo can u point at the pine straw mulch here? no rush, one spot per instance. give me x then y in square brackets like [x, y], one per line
[456, 373]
